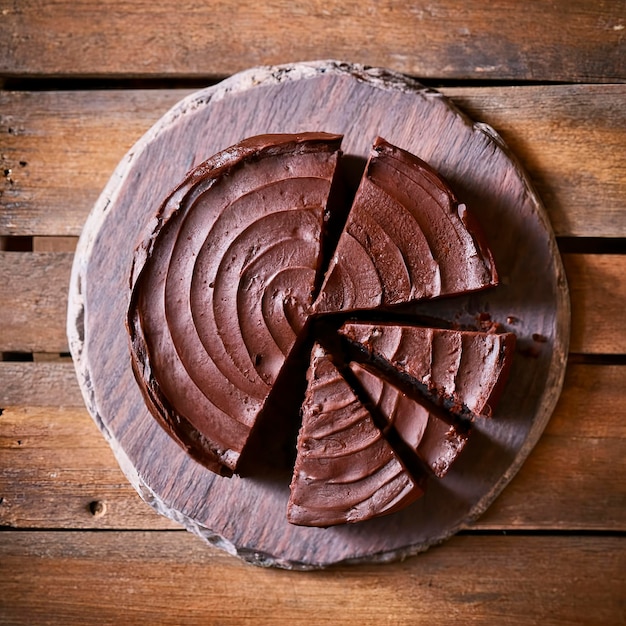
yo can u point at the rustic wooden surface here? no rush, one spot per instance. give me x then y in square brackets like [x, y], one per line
[552, 128]
[550, 549]
[577, 40]
[189, 586]
[249, 516]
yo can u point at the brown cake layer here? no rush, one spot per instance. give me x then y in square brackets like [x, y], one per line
[406, 238]
[463, 371]
[345, 470]
[222, 285]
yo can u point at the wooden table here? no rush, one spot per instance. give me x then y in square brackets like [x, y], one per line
[81, 83]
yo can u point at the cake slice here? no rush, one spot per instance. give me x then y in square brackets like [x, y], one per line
[434, 441]
[345, 470]
[406, 238]
[222, 287]
[462, 371]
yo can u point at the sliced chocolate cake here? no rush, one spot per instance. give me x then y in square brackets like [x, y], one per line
[435, 442]
[221, 287]
[345, 470]
[406, 238]
[462, 371]
[251, 258]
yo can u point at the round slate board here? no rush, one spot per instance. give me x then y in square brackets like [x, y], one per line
[246, 517]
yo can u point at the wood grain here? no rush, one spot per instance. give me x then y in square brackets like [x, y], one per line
[598, 292]
[55, 466]
[54, 244]
[50, 192]
[571, 40]
[168, 578]
[33, 291]
[247, 516]
[576, 472]
[33, 288]
[39, 384]
[553, 130]
[571, 140]
[54, 462]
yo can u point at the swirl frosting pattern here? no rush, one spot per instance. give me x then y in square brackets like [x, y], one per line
[436, 442]
[406, 238]
[240, 265]
[222, 288]
[463, 371]
[345, 471]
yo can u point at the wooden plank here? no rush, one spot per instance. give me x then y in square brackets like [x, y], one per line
[33, 288]
[39, 384]
[169, 578]
[571, 140]
[33, 291]
[47, 357]
[57, 471]
[569, 137]
[572, 40]
[577, 463]
[598, 294]
[54, 244]
[591, 403]
[54, 463]
[50, 192]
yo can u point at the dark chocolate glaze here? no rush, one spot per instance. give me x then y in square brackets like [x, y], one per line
[345, 470]
[435, 442]
[464, 371]
[406, 238]
[222, 287]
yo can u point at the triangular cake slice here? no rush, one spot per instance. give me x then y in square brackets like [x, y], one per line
[436, 443]
[406, 238]
[221, 288]
[345, 470]
[461, 371]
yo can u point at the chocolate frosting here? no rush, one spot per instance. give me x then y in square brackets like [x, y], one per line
[406, 238]
[465, 371]
[222, 321]
[435, 442]
[345, 470]
[222, 285]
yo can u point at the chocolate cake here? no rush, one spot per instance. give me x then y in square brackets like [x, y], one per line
[222, 284]
[461, 371]
[435, 441]
[345, 470]
[406, 238]
[249, 270]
